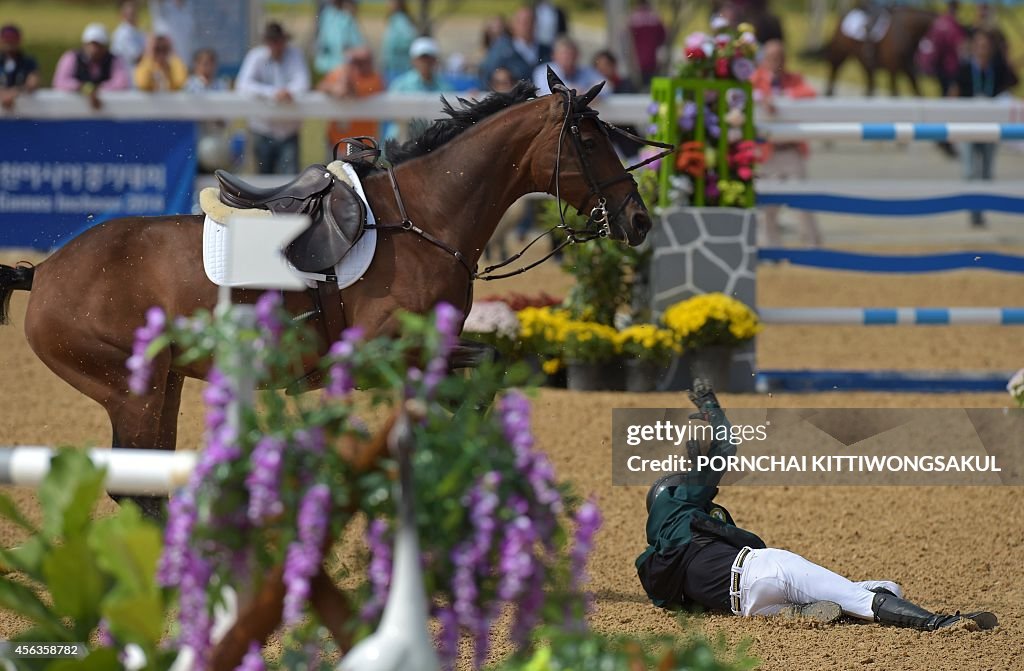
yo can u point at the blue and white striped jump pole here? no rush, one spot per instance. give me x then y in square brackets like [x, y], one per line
[899, 132]
[889, 316]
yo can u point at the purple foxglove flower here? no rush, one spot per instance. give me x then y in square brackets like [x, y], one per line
[588, 521]
[264, 480]
[103, 635]
[447, 638]
[138, 364]
[253, 660]
[379, 574]
[305, 555]
[194, 612]
[268, 316]
[340, 376]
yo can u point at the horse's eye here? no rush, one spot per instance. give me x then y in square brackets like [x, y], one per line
[589, 144]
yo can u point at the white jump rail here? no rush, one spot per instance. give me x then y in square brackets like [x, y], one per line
[893, 132]
[48, 104]
[133, 472]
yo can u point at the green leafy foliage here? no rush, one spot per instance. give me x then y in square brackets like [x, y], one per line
[77, 570]
[605, 271]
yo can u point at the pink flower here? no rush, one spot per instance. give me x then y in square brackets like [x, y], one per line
[695, 40]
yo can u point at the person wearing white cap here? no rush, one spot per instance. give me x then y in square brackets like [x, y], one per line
[91, 68]
[423, 78]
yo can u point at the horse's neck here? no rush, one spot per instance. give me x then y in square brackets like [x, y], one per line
[460, 191]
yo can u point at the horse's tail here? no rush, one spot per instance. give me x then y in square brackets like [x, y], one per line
[13, 278]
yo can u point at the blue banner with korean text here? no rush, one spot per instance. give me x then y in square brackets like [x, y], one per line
[58, 178]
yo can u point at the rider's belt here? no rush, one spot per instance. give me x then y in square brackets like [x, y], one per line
[736, 574]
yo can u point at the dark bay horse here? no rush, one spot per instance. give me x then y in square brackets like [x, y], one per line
[457, 179]
[894, 53]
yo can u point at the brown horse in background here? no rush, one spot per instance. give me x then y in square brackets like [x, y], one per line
[456, 179]
[894, 53]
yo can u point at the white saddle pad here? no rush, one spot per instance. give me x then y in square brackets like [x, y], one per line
[855, 25]
[351, 268]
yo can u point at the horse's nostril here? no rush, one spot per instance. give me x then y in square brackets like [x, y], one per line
[641, 222]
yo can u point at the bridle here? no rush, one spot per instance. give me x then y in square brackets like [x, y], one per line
[598, 224]
[577, 109]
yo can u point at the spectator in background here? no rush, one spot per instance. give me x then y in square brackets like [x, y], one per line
[423, 78]
[501, 81]
[338, 32]
[357, 78]
[550, 23]
[399, 35]
[648, 33]
[565, 59]
[942, 45]
[275, 71]
[92, 68]
[204, 74]
[785, 160]
[214, 149]
[19, 73]
[517, 52]
[175, 18]
[160, 69]
[128, 42]
[607, 67]
[984, 74]
[495, 28]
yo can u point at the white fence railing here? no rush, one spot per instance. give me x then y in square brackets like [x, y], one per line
[48, 104]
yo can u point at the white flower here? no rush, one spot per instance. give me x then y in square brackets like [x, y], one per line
[492, 317]
[1016, 386]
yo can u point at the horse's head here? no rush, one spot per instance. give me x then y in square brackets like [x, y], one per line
[583, 169]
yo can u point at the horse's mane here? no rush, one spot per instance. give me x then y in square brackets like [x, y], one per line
[469, 112]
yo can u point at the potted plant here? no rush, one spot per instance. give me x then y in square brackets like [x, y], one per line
[704, 238]
[494, 323]
[709, 326]
[647, 350]
[591, 351]
[541, 334]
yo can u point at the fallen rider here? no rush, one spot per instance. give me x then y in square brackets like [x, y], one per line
[696, 555]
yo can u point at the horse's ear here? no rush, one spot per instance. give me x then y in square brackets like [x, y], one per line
[589, 96]
[554, 83]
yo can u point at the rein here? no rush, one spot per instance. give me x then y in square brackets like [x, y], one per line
[365, 148]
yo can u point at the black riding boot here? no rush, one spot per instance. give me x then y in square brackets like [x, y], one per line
[890, 609]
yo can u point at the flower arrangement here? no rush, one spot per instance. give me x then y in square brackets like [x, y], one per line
[589, 342]
[556, 337]
[725, 54]
[648, 342]
[1016, 387]
[707, 111]
[517, 301]
[493, 323]
[711, 319]
[277, 490]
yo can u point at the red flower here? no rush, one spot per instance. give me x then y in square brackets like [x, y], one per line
[722, 67]
[695, 53]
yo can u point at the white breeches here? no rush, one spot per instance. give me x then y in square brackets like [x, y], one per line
[772, 579]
